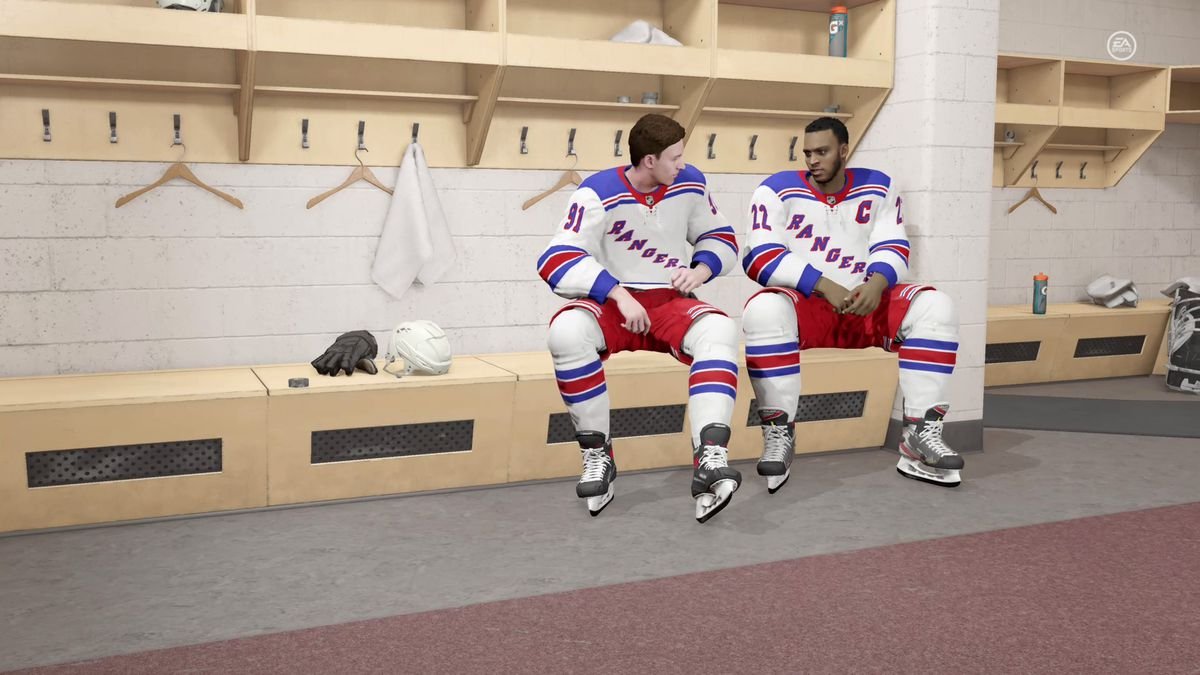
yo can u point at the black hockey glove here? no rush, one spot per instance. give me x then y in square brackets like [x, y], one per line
[350, 350]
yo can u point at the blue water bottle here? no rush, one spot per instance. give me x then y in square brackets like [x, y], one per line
[839, 20]
[1040, 282]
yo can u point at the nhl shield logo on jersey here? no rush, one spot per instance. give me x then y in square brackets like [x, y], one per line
[831, 199]
[649, 200]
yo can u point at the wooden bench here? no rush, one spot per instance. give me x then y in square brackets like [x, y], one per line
[98, 448]
[846, 405]
[1073, 341]
[89, 449]
[365, 435]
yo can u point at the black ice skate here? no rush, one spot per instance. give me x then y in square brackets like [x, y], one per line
[924, 455]
[599, 470]
[779, 447]
[713, 482]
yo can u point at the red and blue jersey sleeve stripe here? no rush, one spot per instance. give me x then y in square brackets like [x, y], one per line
[557, 261]
[898, 246]
[761, 261]
[725, 235]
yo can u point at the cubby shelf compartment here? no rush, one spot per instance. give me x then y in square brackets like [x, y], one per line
[1095, 118]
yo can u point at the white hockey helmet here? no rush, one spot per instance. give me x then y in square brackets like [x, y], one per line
[422, 346]
[194, 5]
[1113, 292]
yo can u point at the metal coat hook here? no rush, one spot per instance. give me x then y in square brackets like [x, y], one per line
[571, 143]
[524, 134]
[178, 139]
[1057, 173]
[1033, 170]
[1082, 175]
[112, 127]
[712, 139]
[46, 124]
[617, 144]
[362, 126]
[416, 130]
[304, 133]
[753, 141]
[792, 149]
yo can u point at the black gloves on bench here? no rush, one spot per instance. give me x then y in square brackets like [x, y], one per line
[350, 350]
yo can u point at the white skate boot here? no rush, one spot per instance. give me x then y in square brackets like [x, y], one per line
[599, 471]
[713, 482]
[924, 456]
[779, 447]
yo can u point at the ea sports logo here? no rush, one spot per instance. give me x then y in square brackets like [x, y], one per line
[1122, 45]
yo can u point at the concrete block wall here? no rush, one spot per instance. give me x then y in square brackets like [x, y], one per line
[181, 279]
[1147, 228]
[934, 135]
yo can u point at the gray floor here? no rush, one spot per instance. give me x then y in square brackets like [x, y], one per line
[1118, 388]
[1127, 405]
[96, 592]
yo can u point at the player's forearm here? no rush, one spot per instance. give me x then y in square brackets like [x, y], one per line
[619, 294]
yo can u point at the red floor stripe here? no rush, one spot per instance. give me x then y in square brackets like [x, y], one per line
[1109, 594]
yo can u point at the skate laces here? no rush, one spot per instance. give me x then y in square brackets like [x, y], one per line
[932, 437]
[714, 457]
[595, 463]
[776, 443]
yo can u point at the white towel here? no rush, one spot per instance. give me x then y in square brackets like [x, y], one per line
[415, 243]
[643, 32]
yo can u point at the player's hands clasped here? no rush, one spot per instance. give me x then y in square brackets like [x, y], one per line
[833, 292]
[686, 280]
[865, 298]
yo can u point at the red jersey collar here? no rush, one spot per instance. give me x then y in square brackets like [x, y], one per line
[834, 199]
[648, 199]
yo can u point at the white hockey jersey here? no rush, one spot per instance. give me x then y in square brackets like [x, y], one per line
[799, 234]
[612, 234]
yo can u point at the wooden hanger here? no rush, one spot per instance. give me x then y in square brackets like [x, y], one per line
[569, 177]
[1033, 193]
[362, 173]
[179, 170]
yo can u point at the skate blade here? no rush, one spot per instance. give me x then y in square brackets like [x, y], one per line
[596, 504]
[776, 482]
[918, 471]
[710, 504]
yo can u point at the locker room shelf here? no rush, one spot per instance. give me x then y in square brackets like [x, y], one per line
[309, 38]
[84, 45]
[1028, 98]
[1110, 151]
[533, 51]
[1183, 117]
[1021, 113]
[1008, 148]
[1095, 117]
[471, 73]
[784, 114]
[1183, 106]
[1099, 118]
[361, 93]
[117, 24]
[587, 105]
[116, 83]
[761, 66]
[798, 5]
